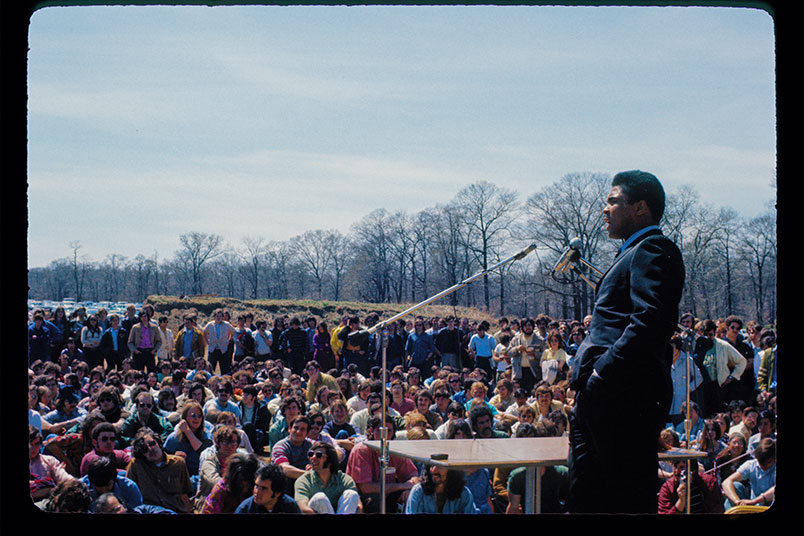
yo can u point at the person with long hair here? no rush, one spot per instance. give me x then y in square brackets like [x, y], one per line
[91, 335]
[236, 485]
[322, 347]
[324, 488]
[441, 491]
[111, 406]
[190, 438]
[729, 459]
[710, 443]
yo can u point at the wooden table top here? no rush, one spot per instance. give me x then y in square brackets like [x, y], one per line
[498, 452]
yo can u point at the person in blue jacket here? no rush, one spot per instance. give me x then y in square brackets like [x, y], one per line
[441, 491]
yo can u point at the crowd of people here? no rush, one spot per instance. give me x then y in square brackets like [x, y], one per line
[127, 415]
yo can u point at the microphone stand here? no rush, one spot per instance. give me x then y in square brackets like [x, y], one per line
[382, 327]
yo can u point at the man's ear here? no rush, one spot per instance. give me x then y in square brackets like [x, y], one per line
[641, 209]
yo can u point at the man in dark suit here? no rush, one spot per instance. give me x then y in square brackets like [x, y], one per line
[622, 369]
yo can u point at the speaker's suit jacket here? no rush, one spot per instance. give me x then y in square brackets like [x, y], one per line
[634, 316]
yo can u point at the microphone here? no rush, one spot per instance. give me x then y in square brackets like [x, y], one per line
[570, 256]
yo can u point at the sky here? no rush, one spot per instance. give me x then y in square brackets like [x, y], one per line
[145, 123]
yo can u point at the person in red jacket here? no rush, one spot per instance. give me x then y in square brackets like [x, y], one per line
[706, 495]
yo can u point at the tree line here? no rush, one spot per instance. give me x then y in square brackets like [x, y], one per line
[407, 257]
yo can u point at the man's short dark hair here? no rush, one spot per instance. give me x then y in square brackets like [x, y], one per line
[101, 471]
[639, 185]
[274, 474]
[99, 428]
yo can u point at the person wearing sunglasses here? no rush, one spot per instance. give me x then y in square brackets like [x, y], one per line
[222, 402]
[324, 489]
[144, 416]
[103, 441]
[162, 478]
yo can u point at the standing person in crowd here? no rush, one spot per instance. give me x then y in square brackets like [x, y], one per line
[420, 349]
[723, 364]
[481, 348]
[322, 347]
[742, 389]
[162, 478]
[166, 348]
[354, 345]
[217, 334]
[623, 365]
[448, 343]
[263, 339]
[114, 344]
[64, 330]
[243, 340]
[554, 359]
[190, 342]
[293, 346]
[91, 335]
[682, 362]
[39, 338]
[144, 340]
[525, 350]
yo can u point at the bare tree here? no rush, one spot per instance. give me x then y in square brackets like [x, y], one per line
[570, 207]
[198, 249]
[253, 261]
[489, 211]
[341, 251]
[758, 254]
[315, 254]
[79, 271]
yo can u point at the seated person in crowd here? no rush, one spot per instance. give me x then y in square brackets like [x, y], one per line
[754, 482]
[213, 460]
[291, 407]
[364, 468]
[290, 453]
[706, 496]
[46, 471]
[103, 440]
[222, 402]
[555, 479]
[102, 477]
[255, 418]
[190, 438]
[236, 485]
[269, 496]
[441, 491]
[145, 416]
[324, 489]
[162, 478]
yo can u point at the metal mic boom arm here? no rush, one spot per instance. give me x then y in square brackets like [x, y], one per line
[452, 289]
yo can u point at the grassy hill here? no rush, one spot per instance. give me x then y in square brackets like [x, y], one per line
[175, 307]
